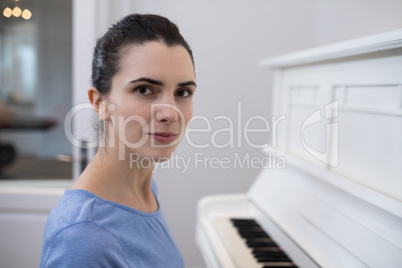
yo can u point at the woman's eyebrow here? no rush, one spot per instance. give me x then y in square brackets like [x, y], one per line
[148, 80]
[160, 83]
[188, 83]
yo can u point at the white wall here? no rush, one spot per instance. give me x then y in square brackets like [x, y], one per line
[228, 39]
[339, 20]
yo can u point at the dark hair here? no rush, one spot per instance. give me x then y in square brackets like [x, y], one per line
[134, 29]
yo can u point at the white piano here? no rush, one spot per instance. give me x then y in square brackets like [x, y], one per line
[338, 201]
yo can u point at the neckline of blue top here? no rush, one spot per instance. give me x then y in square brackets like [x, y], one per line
[115, 204]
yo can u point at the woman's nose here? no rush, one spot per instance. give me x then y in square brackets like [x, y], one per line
[166, 112]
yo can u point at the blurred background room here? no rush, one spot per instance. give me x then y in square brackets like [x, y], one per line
[35, 87]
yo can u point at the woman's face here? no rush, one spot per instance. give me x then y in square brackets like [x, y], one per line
[151, 103]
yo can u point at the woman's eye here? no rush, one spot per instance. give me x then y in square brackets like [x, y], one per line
[144, 90]
[183, 93]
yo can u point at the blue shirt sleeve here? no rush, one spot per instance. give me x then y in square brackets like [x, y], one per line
[85, 244]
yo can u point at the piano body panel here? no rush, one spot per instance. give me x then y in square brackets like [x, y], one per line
[368, 94]
[338, 201]
[228, 204]
[333, 227]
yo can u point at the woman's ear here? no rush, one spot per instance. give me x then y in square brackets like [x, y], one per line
[98, 102]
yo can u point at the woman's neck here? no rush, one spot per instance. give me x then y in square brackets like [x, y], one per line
[110, 178]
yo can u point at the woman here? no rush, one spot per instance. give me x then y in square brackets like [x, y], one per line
[143, 81]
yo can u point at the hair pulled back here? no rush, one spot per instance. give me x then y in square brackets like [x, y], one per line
[134, 29]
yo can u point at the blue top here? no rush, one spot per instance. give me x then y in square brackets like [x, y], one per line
[84, 230]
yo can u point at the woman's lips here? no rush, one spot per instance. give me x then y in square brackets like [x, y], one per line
[163, 137]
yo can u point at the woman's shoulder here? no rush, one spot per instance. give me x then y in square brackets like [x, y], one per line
[74, 206]
[71, 231]
[82, 244]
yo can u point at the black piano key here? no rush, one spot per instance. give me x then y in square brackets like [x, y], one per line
[278, 265]
[253, 242]
[244, 222]
[253, 234]
[250, 229]
[257, 244]
[269, 241]
[268, 253]
[261, 239]
[268, 258]
[273, 259]
[271, 249]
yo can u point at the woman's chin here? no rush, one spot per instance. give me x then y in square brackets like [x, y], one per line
[156, 155]
[162, 157]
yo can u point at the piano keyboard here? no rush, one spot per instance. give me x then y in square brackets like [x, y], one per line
[249, 245]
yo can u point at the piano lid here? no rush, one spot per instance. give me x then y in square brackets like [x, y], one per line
[339, 194]
[364, 45]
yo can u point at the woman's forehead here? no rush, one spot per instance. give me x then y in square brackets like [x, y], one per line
[151, 52]
[156, 60]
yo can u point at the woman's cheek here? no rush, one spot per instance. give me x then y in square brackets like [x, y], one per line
[190, 114]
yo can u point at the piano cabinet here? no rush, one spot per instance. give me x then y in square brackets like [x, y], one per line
[338, 201]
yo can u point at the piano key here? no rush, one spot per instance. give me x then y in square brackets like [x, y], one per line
[261, 243]
[279, 265]
[253, 235]
[256, 244]
[272, 258]
[273, 249]
[250, 228]
[263, 248]
[262, 239]
[249, 251]
[244, 222]
[235, 244]
[267, 253]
